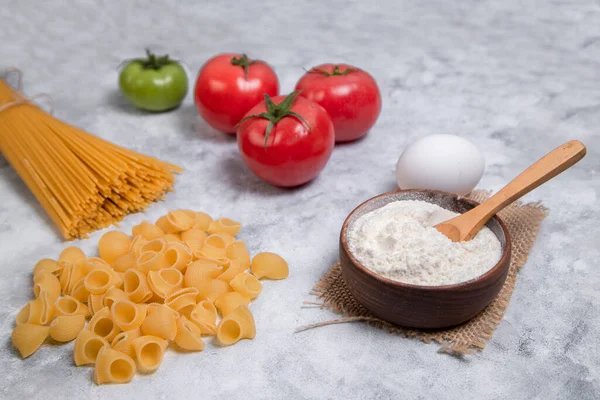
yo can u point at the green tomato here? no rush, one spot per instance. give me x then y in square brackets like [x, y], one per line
[154, 83]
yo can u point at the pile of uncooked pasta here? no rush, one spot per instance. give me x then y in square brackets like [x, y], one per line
[168, 284]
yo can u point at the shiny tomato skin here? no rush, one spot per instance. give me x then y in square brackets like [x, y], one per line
[293, 155]
[223, 95]
[353, 100]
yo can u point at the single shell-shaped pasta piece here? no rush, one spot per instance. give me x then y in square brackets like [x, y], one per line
[202, 221]
[239, 324]
[46, 265]
[188, 335]
[148, 230]
[234, 268]
[68, 305]
[213, 290]
[238, 251]
[47, 282]
[161, 321]
[123, 342]
[127, 315]
[79, 291]
[178, 255]
[66, 327]
[113, 245]
[149, 352]
[228, 302]
[172, 238]
[96, 303]
[199, 274]
[152, 261]
[204, 315]
[183, 301]
[269, 265]
[180, 220]
[112, 366]
[164, 225]
[194, 238]
[39, 311]
[247, 285]
[103, 325]
[87, 346]
[100, 279]
[27, 338]
[125, 262]
[113, 294]
[157, 245]
[213, 247]
[136, 286]
[165, 281]
[224, 225]
[72, 254]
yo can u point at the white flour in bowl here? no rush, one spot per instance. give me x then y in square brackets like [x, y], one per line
[398, 241]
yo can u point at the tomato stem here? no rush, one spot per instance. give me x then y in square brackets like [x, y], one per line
[277, 112]
[152, 61]
[336, 71]
[244, 62]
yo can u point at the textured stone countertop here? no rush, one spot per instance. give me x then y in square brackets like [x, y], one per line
[518, 78]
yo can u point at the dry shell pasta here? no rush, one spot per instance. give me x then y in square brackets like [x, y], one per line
[112, 366]
[165, 285]
[123, 342]
[27, 338]
[239, 324]
[269, 265]
[66, 327]
[87, 346]
[112, 245]
[189, 335]
[72, 255]
[148, 230]
[149, 352]
[46, 265]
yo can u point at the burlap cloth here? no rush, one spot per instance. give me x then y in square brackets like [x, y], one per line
[523, 222]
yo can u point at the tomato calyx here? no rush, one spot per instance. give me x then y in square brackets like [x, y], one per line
[277, 112]
[152, 61]
[244, 62]
[336, 71]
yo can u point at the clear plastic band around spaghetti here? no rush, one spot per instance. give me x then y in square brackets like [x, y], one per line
[20, 97]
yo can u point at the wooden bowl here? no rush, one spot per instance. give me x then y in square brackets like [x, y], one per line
[419, 306]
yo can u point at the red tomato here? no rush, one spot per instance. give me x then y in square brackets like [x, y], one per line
[286, 140]
[228, 85]
[349, 94]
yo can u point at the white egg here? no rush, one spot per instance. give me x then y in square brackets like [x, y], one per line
[440, 162]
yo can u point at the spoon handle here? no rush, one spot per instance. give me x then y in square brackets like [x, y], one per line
[539, 172]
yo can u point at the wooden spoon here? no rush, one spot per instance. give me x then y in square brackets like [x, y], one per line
[465, 226]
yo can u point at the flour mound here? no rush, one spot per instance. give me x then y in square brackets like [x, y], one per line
[398, 241]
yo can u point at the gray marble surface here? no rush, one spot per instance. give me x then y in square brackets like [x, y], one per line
[518, 78]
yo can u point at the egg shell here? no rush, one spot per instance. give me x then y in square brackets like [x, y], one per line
[440, 162]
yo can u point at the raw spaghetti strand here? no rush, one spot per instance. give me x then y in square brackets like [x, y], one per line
[84, 183]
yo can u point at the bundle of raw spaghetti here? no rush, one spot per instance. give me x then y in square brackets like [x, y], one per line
[83, 182]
